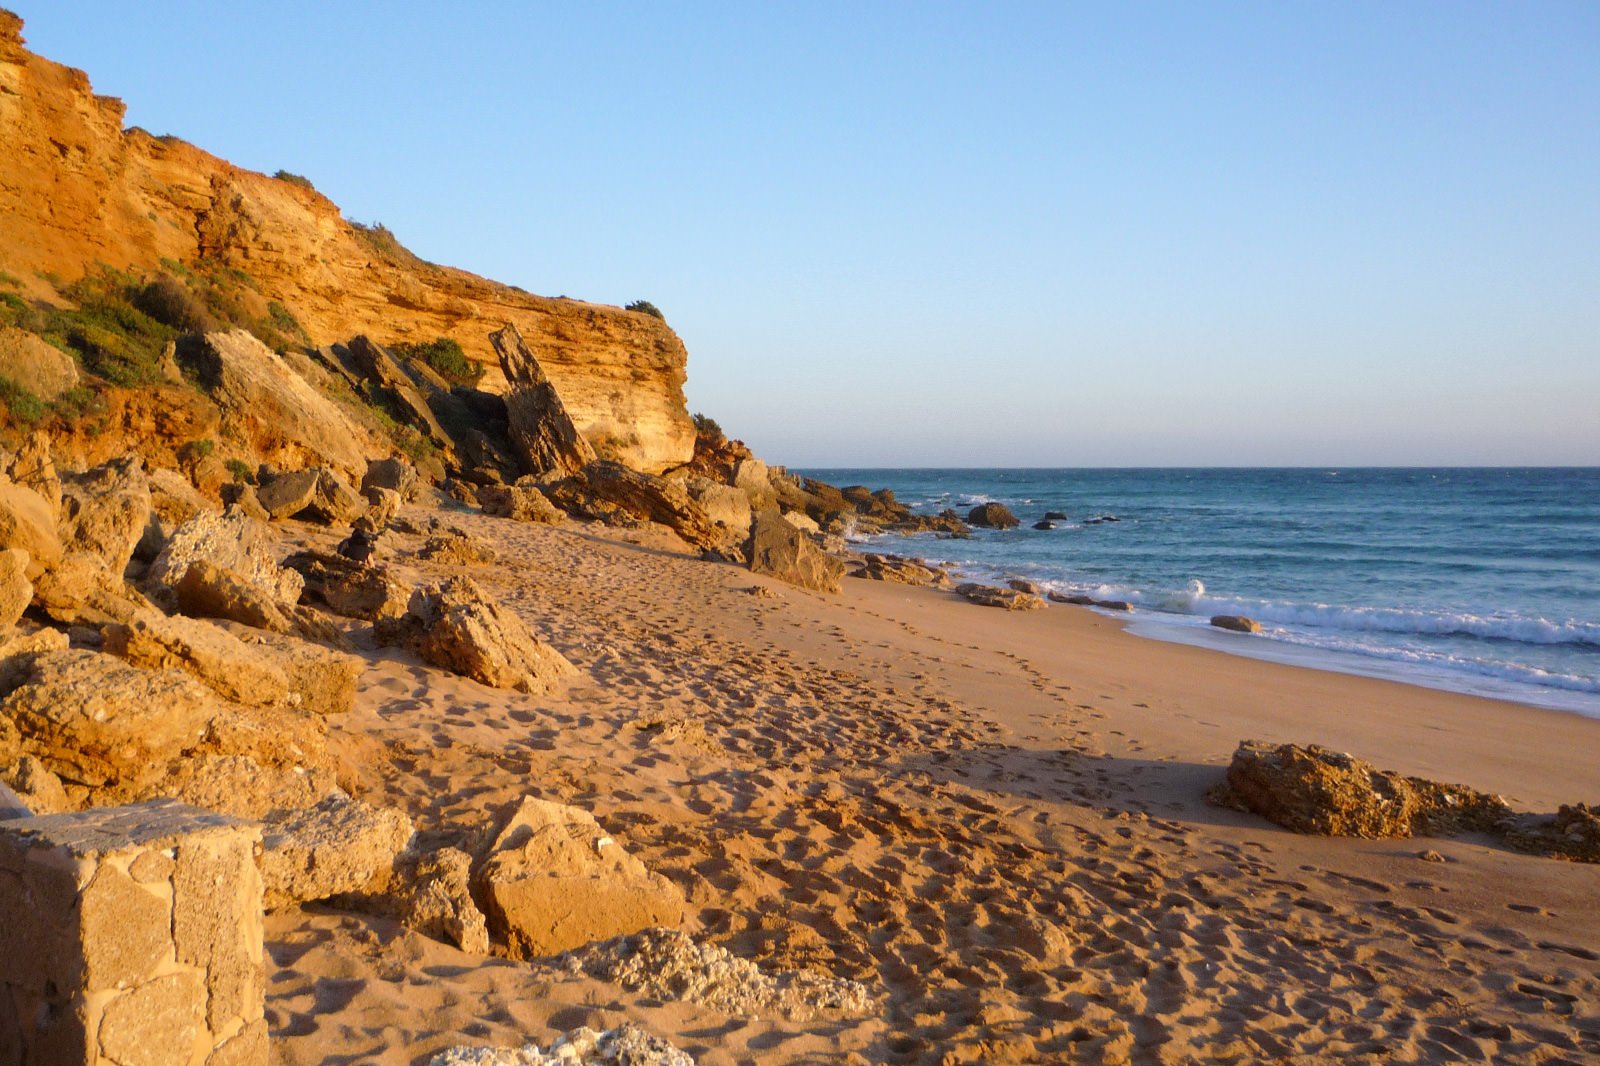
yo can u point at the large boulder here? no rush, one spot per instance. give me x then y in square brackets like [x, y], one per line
[555, 880]
[347, 588]
[36, 364]
[751, 477]
[334, 502]
[457, 626]
[94, 719]
[16, 591]
[339, 847]
[392, 473]
[105, 511]
[213, 656]
[266, 403]
[524, 503]
[27, 521]
[173, 498]
[80, 590]
[725, 505]
[287, 494]
[322, 680]
[242, 787]
[233, 541]
[1008, 599]
[1236, 623]
[779, 550]
[1329, 793]
[993, 516]
[206, 590]
[642, 496]
[547, 443]
[34, 467]
[400, 396]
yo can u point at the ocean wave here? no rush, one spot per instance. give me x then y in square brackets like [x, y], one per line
[1499, 670]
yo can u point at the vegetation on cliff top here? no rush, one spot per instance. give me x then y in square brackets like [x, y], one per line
[645, 307]
[445, 357]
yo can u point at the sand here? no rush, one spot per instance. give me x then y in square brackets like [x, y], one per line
[994, 820]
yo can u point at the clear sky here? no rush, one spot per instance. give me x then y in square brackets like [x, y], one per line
[971, 234]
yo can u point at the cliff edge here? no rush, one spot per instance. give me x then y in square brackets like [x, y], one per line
[78, 191]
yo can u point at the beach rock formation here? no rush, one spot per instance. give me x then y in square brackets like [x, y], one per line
[1573, 834]
[524, 503]
[105, 511]
[902, 571]
[36, 364]
[603, 489]
[286, 494]
[347, 588]
[212, 656]
[626, 1045]
[993, 516]
[1009, 599]
[438, 902]
[16, 591]
[232, 541]
[1314, 790]
[341, 846]
[79, 590]
[547, 443]
[1236, 623]
[779, 550]
[403, 400]
[28, 522]
[458, 626]
[395, 474]
[555, 880]
[206, 590]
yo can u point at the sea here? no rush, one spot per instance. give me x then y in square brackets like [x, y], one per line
[1476, 580]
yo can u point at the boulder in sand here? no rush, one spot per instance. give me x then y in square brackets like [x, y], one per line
[522, 503]
[901, 570]
[546, 441]
[79, 590]
[340, 846]
[993, 516]
[382, 505]
[439, 902]
[1009, 599]
[779, 550]
[392, 473]
[285, 495]
[347, 588]
[603, 488]
[334, 503]
[555, 880]
[209, 591]
[213, 656]
[105, 511]
[1236, 623]
[233, 541]
[457, 626]
[241, 787]
[1329, 793]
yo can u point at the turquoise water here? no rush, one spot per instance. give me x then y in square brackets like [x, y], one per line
[1473, 580]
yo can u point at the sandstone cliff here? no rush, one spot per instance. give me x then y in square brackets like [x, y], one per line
[77, 190]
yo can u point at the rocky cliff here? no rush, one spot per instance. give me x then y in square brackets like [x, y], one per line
[77, 190]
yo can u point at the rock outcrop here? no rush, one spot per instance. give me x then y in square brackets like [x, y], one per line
[1236, 623]
[439, 902]
[339, 847]
[554, 880]
[206, 590]
[779, 550]
[28, 522]
[232, 541]
[604, 488]
[900, 570]
[35, 364]
[407, 404]
[348, 588]
[993, 516]
[547, 443]
[458, 626]
[16, 591]
[525, 503]
[104, 512]
[1008, 599]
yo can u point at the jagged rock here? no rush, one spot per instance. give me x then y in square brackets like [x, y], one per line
[340, 846]
[214, 656]
[36, 364]
[239, 786]
[236, 543]
[457, 548]
[1022, 584]
[1314, 790]
[642, 496]
[626, 1045]
[439, 902]
[27, 521]
[17, 644]
[525, 504]
[286, 495]
[1238, 623]
[902, 571]
[104, 512]
[393, 473]
[457, 626]
[725, 505]
[265, 402]
[79, 590]
[382, 505]
[777, 549]
[208, 591]
[667, 964]
[1080, 600]
[36, 786]
[16, 591]
[751, 477]
[322, 680]
[555, 880]
[993, 516]
[989, 596]
[93, 719]
[375, 364]
[33, 467]
[546, 442]
[334, 502]
[802, 521]
[173, 499]
[947, 523]
[348, 588]
[1573, 834]
[241, 496]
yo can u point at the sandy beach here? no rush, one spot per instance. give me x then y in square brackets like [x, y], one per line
[995, 821]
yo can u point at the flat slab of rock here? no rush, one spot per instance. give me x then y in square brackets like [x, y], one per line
[215, 657]
[1236, 623]
[79, 590]
[779, 550]
[234, 542]
[338, 847]
[1009, 599]
[555, 880]
[210, 591]
[602, 490]
[902, 571]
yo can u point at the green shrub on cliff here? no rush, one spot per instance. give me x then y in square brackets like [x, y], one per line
[706, 426]
[295, 179]
[444, 356]
[21, 405]
[170, 302]
[645, 307]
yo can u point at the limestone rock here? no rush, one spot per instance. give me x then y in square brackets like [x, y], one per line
[213, 656]
[322, 680]
[779, 550]
[348, 588]
[79, 590]
[439, 902]
[454, 547]
[382, 505]
[725, 505]
[457, 626]
[334, 502]
[546, 442]
[751, 477]
[393, 473]
[802, 521]
[27, 521]
[1237, 623]
[173, 499]
[232, 541]
[993, 516]
[401, 397]
[901, 570]
[94, 719]
[36, 364]
[1009, 599]
[240, 786]
[1314, 790]
[104, 512]
[287, 494]
[1022, 584]
[33, 467]
[523, 503]
[338, 847]
[15, 647]
[947, 523]
[206, 590]
[264, 401]
[643, 497]
[36, 786]
[1573, 834]
[554, 880]
[626, 1045]
[16, 591]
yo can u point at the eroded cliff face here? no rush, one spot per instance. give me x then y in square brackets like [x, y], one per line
[76, 190]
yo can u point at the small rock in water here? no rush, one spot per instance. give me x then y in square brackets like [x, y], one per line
[1055, 516]
[1046, 524]
[1236, 623]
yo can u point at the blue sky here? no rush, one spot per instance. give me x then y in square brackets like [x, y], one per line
[976, 234]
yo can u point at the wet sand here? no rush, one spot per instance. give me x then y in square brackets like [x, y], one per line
[995, 820]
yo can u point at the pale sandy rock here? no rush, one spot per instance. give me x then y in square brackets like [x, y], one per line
[627, 1045]
[322, 680]
[779, 550]
[266, 403]
[395, 474]
[555, 880]
[751, 477]
[79, 590]
[37, 786]
[1237, 623]
[439, 902]
[104, 512]
[723, 504]
[173, 499]
[334, 502]
[525, 504]
[382, 505]
[457, 626]
[454, 547]
[94, 719]
[1007, 599]
[604, 487]
[33, 467]
[212, 655]
[340, 846]
[209, 591]
[27, 521]
[143, 1026]
[36, 364]
[16, 591]
[802, 521]
[242, 787]
[16, 644]
[348, 588]
[233, 541]
[287, 494]
[546, 442]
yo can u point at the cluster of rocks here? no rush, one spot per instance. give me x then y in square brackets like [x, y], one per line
[626, 1045]
[1328, 793]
